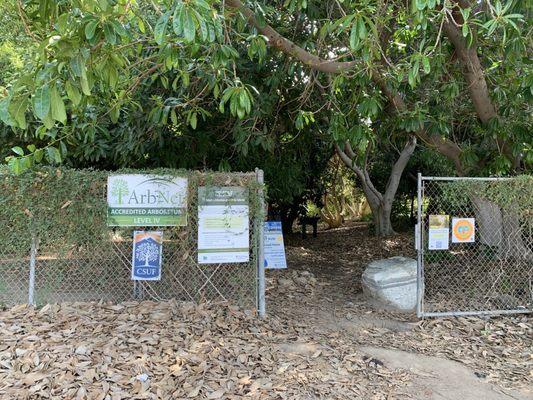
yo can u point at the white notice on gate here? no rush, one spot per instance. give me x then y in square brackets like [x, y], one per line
[439, 232]
[274, 250]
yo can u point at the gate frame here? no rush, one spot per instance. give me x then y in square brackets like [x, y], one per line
[419, 245]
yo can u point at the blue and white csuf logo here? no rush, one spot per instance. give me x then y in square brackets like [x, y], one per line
[147, 255]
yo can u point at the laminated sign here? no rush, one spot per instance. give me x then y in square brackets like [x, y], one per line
[146, 200]
[147, 256]
[223, 225]
[439, 232]
[463, 230]
[273, 246]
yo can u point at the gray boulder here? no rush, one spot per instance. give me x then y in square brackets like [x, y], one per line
[392, 283]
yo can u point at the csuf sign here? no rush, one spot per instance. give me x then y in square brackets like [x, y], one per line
[146, 200]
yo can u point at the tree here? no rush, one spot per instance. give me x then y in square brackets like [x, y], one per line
[380, 203]
[389, 46]
[459, 21]
[146, 252]
[119, 189]
[444, 71]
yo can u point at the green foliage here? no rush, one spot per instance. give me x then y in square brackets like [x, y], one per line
[312, 210]
[514, 195]
[343, 200]
[239, 99]
[61, 207]
[66, 209]
[119, 83]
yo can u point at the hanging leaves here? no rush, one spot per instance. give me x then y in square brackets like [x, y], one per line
[73, 93]
[58, 106]
[239, 99]
[161, 27]
[41, 101]
[17, 110]
[90, 28]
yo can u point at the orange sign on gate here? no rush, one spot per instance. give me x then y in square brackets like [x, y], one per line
[463, 230]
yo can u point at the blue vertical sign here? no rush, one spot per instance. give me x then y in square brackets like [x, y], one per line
[147, 256]
[274, 248]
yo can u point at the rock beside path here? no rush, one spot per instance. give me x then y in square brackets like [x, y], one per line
[392, 283]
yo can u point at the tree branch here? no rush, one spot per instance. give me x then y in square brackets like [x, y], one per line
[348, 161]
[348, 157]
[288, 47]
[397, 169]
[477, 85]
[443, 145]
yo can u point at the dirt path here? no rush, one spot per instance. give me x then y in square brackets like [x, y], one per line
[322, 292]
[441, 379]
[320, 341]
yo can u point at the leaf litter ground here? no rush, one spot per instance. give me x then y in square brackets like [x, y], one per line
[309, 347]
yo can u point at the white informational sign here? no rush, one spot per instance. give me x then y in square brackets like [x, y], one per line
[146, 200]
[223, 225]
[439, 232]
[147, 256]
[463, 230]
[274, 249]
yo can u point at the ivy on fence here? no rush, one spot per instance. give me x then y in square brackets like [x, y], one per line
[80, 257]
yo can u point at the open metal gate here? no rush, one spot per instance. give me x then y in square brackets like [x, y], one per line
[474, 238]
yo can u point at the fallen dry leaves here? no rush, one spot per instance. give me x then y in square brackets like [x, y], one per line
[498, 349]
[307, 348]
[167, 350]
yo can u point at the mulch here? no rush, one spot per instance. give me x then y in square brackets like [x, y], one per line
[307, 347]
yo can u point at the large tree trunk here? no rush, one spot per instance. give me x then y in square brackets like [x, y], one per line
[500, 230]
[489, 222]
[380, 204]
[474, 76]
[513, 243]
[381, 215]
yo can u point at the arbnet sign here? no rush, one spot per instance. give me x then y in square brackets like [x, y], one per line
[146, 200]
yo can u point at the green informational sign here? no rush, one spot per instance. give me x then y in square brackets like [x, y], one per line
[223, 225]
[146, 200]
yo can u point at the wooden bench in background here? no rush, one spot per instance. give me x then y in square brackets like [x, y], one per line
[313, 221]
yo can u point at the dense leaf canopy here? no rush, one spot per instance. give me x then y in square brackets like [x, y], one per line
[113, 81]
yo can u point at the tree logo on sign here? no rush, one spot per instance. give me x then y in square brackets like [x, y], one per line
[120, 189]
[147, 252]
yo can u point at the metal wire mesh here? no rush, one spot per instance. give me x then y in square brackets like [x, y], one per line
[100, 270]
[491, 275]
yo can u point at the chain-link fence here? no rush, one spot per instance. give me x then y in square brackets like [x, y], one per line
[56, 220]
[475, 246]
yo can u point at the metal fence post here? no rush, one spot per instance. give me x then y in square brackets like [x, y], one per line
[419, 258]
[33, 258]
[260, 250]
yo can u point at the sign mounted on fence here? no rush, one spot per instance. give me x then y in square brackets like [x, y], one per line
[146, 200]
[439, 232]
[463, 230]
[223, 225]
[273, 246]
[147, 256]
